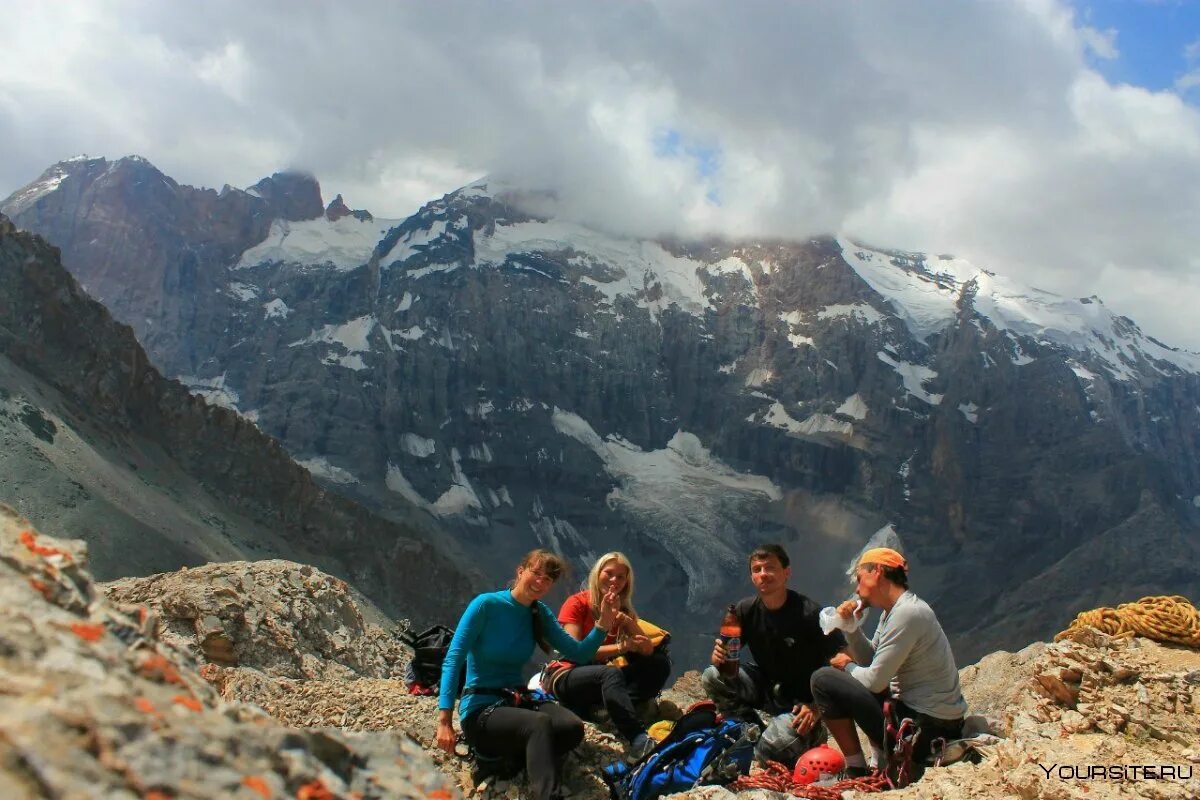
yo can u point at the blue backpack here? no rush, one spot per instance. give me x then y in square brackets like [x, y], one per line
[699, 750]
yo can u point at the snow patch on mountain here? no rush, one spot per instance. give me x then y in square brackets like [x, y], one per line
[457, 500]
[925, 291]
[276, 309]
[396, 482]
[321, 468]
[731, 266]
[214, 390]
[243, 291]
[1020, 357]
[353, 361]
[853, 406]
[417, 446]
[914, 376]
[411, 334]
[794, 319]
[777, 417]
[759, 377]
[692, 500]
[1082, 372]
[812, 425]
[345, 243]
[480, 452]
[619, 266]
[860, 311]
[460, 497]
[430, 270]
[414, 242]
[351, 335]
[553, 533]
[816, 424]
[49, 181]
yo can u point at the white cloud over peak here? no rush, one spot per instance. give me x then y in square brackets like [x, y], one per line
[975, 128]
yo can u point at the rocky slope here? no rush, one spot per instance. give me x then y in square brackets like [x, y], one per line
[93, 704]
[531, 381]
[94, 440]
[263, 680]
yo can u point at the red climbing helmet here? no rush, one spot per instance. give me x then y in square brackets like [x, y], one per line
[822, 759]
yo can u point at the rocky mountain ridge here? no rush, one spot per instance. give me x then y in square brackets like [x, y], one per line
[95, 704]
[96, 440]
[531, 381]
[112, 691]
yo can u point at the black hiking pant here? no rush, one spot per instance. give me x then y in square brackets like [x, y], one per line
[540, 736]
[839, 696]
[618, 689]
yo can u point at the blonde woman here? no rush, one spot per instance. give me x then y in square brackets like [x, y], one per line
[618, 689]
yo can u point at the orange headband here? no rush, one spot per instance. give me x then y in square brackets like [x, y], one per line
[885, 556]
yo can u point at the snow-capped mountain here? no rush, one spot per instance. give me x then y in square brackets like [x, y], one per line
[524, 380]
[98, 443]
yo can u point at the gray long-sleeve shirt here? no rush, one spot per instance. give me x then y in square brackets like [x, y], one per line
[910, 653]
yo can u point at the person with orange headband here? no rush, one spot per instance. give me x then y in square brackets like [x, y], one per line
[908, 659]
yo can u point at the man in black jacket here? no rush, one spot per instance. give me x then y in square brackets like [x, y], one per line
[780, 630]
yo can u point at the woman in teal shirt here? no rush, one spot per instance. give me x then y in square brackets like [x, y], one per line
[493, 640]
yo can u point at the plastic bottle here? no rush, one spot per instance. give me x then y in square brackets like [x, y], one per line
[731, 637]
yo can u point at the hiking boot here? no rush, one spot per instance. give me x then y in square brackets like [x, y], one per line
[849, 773]
[638, 748]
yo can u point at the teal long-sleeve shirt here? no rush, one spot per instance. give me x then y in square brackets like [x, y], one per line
[494, 639]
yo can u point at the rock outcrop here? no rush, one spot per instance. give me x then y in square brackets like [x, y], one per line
[97, 441]
[284, 619]
[292, 196]
[337, 209]
[118, 697]
[93, 704]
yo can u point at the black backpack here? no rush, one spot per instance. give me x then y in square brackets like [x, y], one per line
[429, 651]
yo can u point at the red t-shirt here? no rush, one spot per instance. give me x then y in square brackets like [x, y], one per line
[578, 610]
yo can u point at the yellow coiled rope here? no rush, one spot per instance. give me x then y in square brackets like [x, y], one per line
[1163, 618]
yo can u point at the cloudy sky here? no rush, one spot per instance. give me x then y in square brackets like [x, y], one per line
[1057, 142]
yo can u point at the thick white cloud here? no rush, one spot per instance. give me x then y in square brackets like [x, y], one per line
[975, 128]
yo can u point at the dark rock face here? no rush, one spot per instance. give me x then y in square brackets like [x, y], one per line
[92, 371]
[295, 196]
[337, 209]
[532, 382]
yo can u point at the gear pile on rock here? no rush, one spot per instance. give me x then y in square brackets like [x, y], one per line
[264, 680]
